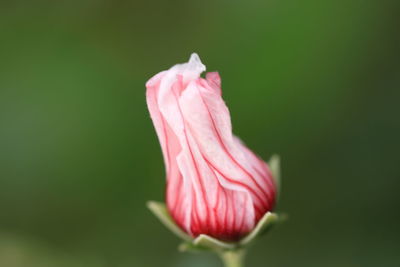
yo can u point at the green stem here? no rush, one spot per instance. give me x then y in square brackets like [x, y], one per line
[233, 258]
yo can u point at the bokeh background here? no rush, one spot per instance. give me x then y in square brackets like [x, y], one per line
[316, 82]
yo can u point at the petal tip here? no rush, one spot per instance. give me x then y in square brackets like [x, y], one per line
[195, 63]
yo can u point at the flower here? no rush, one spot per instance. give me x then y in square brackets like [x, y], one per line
[215, 184]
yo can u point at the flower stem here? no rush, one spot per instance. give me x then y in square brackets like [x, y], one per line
[233, 258]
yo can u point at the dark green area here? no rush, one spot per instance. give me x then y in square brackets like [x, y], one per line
[314, 81]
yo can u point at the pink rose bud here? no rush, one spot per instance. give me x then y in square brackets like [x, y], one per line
[215, 184]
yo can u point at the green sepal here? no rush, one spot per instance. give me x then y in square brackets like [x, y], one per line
[206, 242]
[160, 211]
[275, 167]
[267, 221]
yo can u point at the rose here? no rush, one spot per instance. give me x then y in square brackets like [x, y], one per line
[215, 184]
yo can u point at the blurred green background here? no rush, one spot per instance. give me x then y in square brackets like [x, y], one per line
[314, 81]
